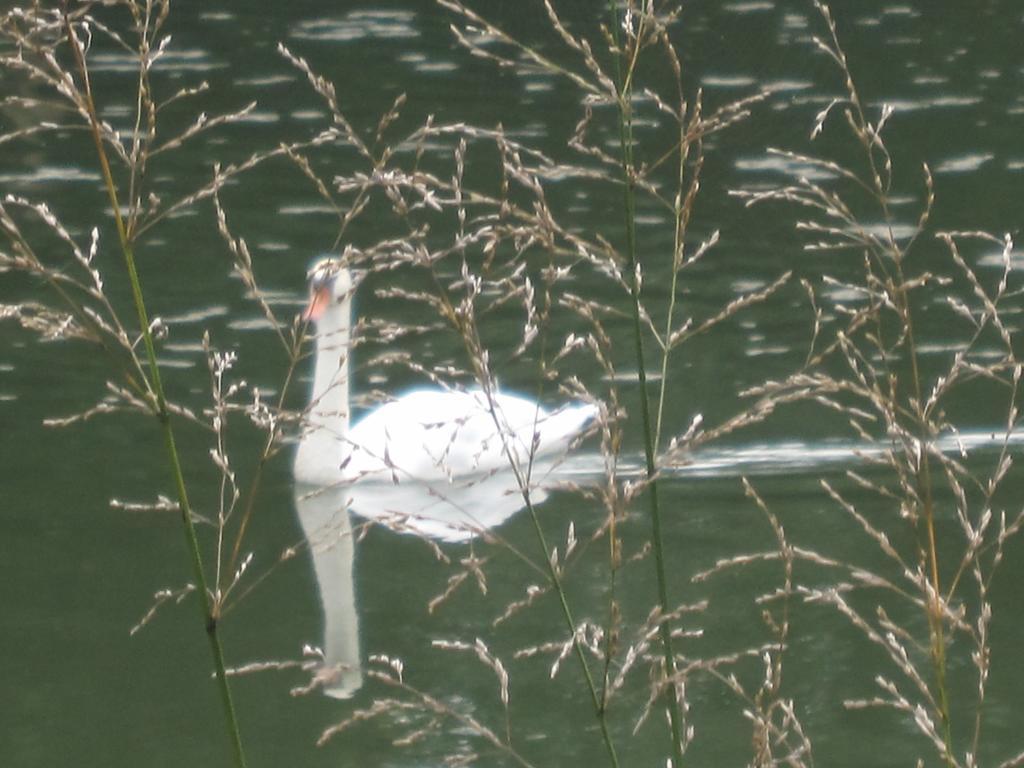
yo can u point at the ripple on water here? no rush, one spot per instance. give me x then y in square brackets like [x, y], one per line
[997, 259]
[435, 67]
[47, 173]
[728, 81]
[744, 286]
[264, 81]
[256, 117]
[254, 323]
[423, 64]
[929, 79]
[898, 201]
[963, 163]
[650, 219]
[788, 166]
[175, 362]
[901, 10]
[532, 130]
[539, 86]
[272, 246]
[794, 21]
[868, 21]
[884, 230]
[307, 114]
[173, 59]
[358, 25]
[903, 40]
[787, 86]
[946, 348]
[764, 350]
[313, 209]
[200, 315]
[842, 293]
[183, 348]
[749, 6]
[945, 101]
[282, 298]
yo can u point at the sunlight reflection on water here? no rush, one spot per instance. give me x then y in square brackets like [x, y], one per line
[359, 25]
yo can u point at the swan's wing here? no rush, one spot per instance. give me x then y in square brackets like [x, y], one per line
[428, 434]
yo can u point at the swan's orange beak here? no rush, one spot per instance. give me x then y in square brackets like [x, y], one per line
[319, 298]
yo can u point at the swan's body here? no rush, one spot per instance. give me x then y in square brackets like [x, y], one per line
[431, 433]
[423, 436]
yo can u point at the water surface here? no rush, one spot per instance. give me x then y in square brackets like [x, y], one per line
[77, 575]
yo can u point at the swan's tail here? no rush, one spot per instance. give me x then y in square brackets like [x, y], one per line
[557, 430]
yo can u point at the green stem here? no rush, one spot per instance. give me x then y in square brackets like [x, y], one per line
[629, 190]
[160, 406]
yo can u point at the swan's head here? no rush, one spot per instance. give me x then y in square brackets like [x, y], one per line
[330, 286]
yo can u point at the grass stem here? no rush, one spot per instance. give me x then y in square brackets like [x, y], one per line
[159, 403]
[672, 703]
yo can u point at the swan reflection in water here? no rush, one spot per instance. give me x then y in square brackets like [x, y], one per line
[328, 531]
[446, 511]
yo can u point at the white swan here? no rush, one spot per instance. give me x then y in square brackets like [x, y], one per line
[424, 436]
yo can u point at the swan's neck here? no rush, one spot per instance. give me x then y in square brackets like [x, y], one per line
[321, 448]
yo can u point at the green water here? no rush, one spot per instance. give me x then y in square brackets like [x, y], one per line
[76, 575]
